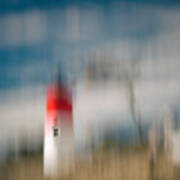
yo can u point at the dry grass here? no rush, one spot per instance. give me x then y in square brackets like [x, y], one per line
[114, 164]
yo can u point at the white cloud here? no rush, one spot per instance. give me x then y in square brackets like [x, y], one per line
[35, 27]
[23, 29]
[11, 30]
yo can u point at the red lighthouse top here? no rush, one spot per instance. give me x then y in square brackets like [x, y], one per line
[58, 104]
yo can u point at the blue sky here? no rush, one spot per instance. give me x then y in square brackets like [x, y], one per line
[37, 37]
[43, 34]
[21, 5]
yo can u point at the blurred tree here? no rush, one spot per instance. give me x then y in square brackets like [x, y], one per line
[129, 74]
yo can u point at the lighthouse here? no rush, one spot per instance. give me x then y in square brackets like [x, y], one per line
[58, 138]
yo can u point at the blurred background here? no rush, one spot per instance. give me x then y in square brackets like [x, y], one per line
[121, 59]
